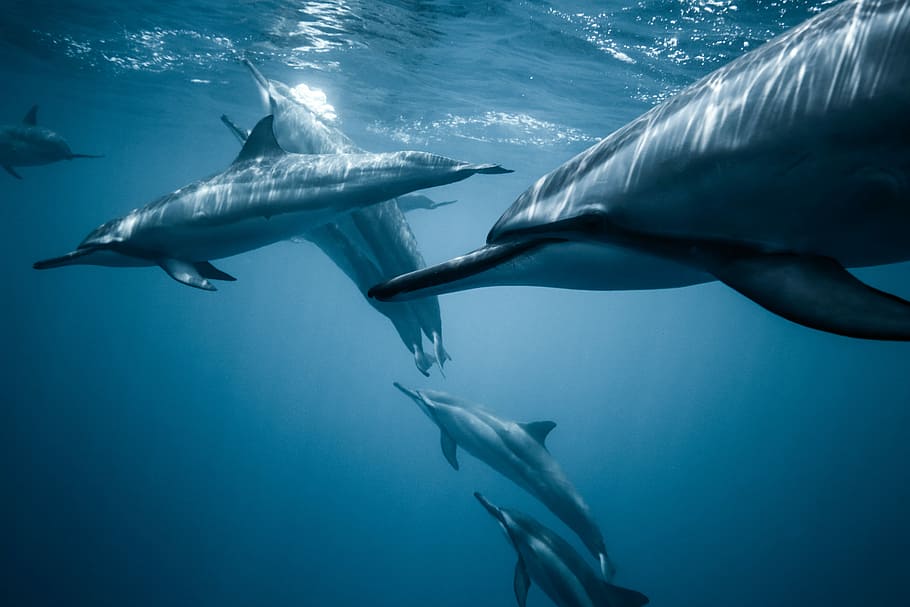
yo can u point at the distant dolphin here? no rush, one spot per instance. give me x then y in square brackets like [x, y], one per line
[518, 452]
[28, 144]
[771, 175]
[557, 568]
[381, 231]
[265, 196]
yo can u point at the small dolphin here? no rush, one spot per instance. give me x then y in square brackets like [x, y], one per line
[27, 144]
[772, 174]
[557, 568]
[518, 452]
[381, 231]
[265, 196]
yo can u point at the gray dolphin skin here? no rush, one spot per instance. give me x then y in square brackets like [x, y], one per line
[772, 174]
[548, 560]
[518, 452]
[265, 196]
[27, 144]
[379, 236]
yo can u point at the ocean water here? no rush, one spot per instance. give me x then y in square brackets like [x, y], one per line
[168, 446]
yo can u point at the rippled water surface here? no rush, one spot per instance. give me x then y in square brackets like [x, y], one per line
[165, 446]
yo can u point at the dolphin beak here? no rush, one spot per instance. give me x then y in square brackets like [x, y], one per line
[63, 260]
[418, 398]
[493, 510]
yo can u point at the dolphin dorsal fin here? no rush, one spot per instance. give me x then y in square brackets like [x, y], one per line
[539, 430]
[31, 118]
[261, 142]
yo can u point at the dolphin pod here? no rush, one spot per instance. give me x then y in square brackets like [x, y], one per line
[370, 244]
[265, 196]
[28, 144]
[518, 451]
[558, 569]
[771, 174]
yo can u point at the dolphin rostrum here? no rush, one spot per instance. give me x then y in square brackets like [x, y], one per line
[380, 231]
[265, 196]
[518, 452]
[27, 144]
[771, 174]
[549, 560]
[379, 235]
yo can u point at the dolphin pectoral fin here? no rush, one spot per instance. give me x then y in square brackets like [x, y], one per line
[10, 170]
[185, 272]
[453, 275]
[607, 568]
[241, 134]
[31, 117]
[816, 292]
[449, 448]
[617, 596]
[521, 583]
[71, 156]
[207, 270]
[539, 430]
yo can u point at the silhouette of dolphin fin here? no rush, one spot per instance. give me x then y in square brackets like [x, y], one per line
[31, 117]
[521, 583]
[207, 270]
[185, 272]
[241, 134]
[10, 170]
[539, 430]
[261, 143]
[449, 448]
[623, 597]
[814, 291]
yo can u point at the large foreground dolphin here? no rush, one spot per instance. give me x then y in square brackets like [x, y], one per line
[558, 569]
[27, 144]
[265, 196]
[379, 235]
[518, 452]
[771, 174]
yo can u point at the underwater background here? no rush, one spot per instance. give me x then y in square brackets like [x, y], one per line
[168, 446]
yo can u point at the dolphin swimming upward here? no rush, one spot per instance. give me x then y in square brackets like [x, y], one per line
[28, 144]
[772, 174]
[375, 241]
[518, 452]
[557, 568]
[265, 196]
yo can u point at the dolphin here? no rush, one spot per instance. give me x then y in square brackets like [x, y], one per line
[771, 174]
[382, 231]
[348, 256]
[27, 144]
[265, 196]
[518, 452]
[557, 568]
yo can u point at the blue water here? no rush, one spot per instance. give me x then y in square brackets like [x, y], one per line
[168, 446]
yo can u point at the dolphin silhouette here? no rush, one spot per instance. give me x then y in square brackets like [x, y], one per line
[28, 144]
[558, 569]
[518, 452]
[771, 174]
[379, 235]
[265, 196]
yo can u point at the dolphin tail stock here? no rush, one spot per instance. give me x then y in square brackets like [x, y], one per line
[469, 271]
[813, 291]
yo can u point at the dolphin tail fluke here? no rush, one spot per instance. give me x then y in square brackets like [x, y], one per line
[441, 355]
[423, 361]
[816, 292]
[71, 156]
[617, 596]
[469, 271]
[10, 170]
